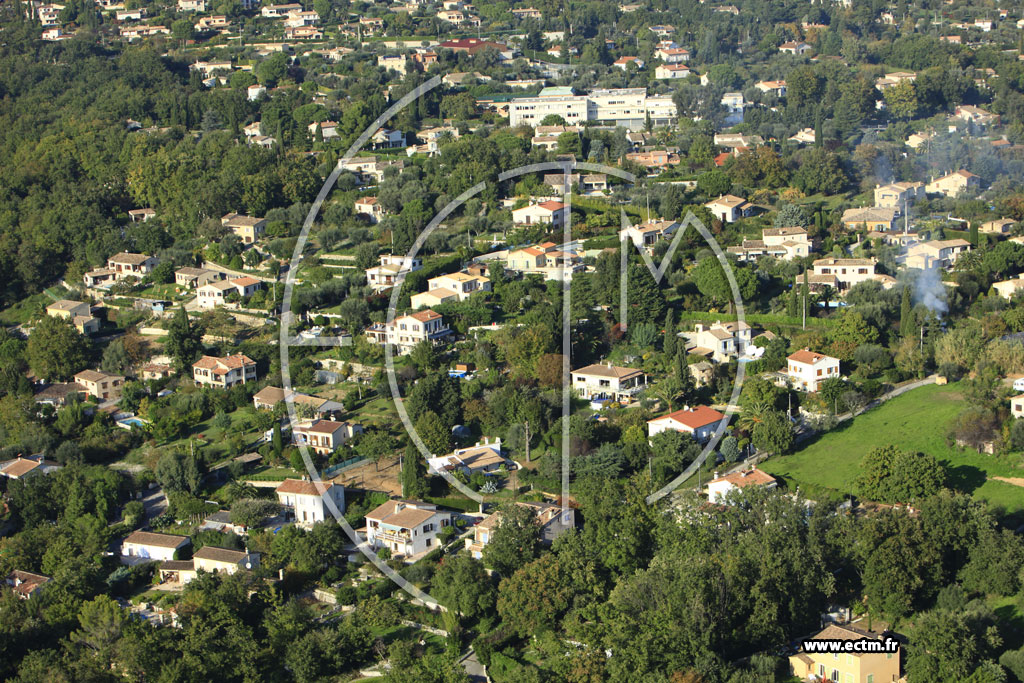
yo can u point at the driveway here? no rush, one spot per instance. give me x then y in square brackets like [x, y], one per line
[155, 503]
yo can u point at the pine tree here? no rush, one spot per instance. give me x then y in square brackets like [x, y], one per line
[906, 324]
[669, 344]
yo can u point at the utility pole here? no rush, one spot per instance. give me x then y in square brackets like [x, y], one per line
[527, 441]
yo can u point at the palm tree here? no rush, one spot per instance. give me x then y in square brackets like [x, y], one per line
[669, 390]
[753, 414]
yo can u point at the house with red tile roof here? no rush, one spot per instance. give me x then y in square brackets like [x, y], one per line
[807, 369]
[224, 372]
[720, 487]
[700, 421]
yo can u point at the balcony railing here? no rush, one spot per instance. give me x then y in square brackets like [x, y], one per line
[397, 536]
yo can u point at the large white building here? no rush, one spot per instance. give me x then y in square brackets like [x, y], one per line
[409, 330]
[304, 499]
[807, 369]
[628, 107]
[608, 381]
[391, 266]
[405, 527]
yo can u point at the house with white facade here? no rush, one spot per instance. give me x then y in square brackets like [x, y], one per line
[195, 277]
[1009, 288]
[608, 381]
[550, 213]
[407, 528]
[807, 369]
[406, 331]
[646, 235]
[935, 253]
[224, 372]
[78, 313]
[785, 244]
[720, 487]
[308, 500]
[148, 545]
[698, 421]
[462, 284]
[671, 72]
[127, 264]
[385, 275]
[728, 208]
[481, 457]
[720, 341]
[842, 273]
[369, 206]
[214, 293]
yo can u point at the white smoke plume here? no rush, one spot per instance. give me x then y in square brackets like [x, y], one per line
[929, 290]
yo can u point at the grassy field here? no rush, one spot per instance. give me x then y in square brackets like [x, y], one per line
[916, 421]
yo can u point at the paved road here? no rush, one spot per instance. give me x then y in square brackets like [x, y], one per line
[155, 503]
[474, 668]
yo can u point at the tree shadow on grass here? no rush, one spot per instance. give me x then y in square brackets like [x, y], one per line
[965, 478]
[1014, 635]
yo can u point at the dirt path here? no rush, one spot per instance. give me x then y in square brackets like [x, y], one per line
[382, 477]
[1016, 481]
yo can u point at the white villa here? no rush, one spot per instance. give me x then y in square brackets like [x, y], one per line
[481, 457]
[721, 341]
[385, 275]
[304, 499]
[720, 487]
[807, 369]
[149, 545]
[409, 330]
[699, 421]
[608, 381]
[405, 527]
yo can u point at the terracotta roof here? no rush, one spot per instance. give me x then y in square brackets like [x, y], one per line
[156, 540]
[837, 632]
[244, 281]
[425, 316]
[209, 552]
[551, 205]
[128, 258]
[20, 467]
[844, 262]
[94, 376]
[323, 426]
[783, 232]
[303, 487]
[809, 357]
[401, 513]
[598, 370]
[694, 418]
[26, 583]
[749, 477]
[64, 305]
[728, 200]
[222, 365]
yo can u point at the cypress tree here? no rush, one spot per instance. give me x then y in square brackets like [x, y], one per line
[906, 324]
[669, 344]
[791, 305]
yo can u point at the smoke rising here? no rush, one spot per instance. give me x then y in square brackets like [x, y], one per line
[929, 290]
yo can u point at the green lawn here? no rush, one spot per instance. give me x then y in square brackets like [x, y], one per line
[29, 307]
[916, 421]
